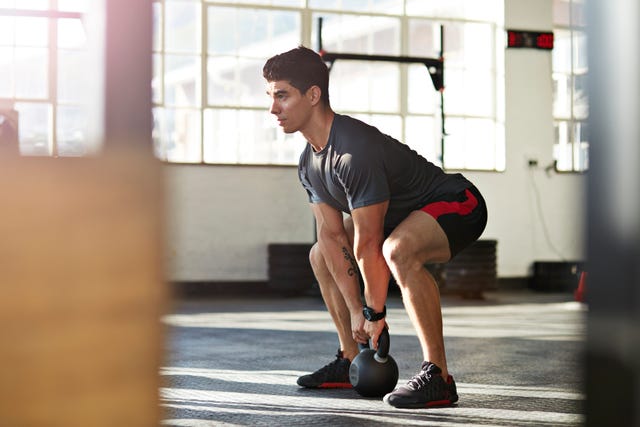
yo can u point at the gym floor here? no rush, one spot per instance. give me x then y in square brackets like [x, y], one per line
[517, 357]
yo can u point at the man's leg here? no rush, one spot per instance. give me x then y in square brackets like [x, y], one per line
[335, 303]
[336, 373]
[418, 240]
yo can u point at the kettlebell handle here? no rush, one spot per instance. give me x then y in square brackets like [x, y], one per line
[384, 343]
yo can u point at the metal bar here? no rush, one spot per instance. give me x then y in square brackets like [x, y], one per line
[320, 35]
[429, 62]
[443, 132]
[434, 66]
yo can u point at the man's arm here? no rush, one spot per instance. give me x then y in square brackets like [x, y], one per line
[336, 248]
[368, 238]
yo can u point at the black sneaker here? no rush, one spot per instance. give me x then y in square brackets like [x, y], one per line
[333, 375]
[425, 390]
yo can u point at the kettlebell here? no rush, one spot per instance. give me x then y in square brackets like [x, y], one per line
[374, 373]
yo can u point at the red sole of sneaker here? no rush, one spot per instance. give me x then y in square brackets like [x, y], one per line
[335, 385]
[439, 403]
[434, 404]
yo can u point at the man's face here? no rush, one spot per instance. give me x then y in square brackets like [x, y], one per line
[291, 108]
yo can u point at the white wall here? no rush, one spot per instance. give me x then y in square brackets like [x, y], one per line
[221, 218]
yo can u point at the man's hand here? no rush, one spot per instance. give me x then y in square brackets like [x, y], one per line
[357, 327]
[373, 330]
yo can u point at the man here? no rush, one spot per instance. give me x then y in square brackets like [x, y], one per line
[403, 212]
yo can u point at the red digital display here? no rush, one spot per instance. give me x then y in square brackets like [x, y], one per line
[530, 39]
[544, 41]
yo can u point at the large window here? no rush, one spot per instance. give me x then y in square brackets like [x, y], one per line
[209, 95]
[43, 74]
[570, 103]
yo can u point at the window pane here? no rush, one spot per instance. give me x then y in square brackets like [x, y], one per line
[33, 4]
[182, 26]
[7, 31]
[7, 72]
[423, 135]
[387, 124]
[31, 67]
[365, 86]
[468, 45]
[422, 96]
[176, 134]
[25, 4]
[71, 34]
[481, 10]
[72, 78]
[470, 143]
[359, 34]
[236, 81]
[221, 24]
[35, 128]
[562, 147]
[424, 38]
[182, 80]
[32, 31]
[157, 26]
[580, 99]
[74, 5]
[156, 81]
[292, 3]
[561, 95]
[248, 136]
[381, 6]
[579, 51]
[72, 131]
[469, 92]
[581, 146]
[478, 46]
[561, 53]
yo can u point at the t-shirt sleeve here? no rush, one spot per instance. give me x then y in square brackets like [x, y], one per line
[304, 180]
[363, 177]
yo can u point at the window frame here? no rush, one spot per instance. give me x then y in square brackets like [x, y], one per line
[51, 101]
[307, 37]
[571, 122]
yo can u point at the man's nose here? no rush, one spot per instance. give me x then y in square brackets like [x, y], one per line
[274, 109]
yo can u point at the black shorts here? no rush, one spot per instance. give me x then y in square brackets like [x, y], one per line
[462, 216]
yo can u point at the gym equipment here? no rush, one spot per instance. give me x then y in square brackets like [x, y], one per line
[435, 68]
[374, 373]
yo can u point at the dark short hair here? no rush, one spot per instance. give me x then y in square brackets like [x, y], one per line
[302, 68]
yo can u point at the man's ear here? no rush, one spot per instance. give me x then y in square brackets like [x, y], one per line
[314, 93]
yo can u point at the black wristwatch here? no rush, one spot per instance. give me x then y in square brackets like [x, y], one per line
[370, 314]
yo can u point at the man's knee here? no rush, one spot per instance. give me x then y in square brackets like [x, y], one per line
[398, 255]
[315, 256]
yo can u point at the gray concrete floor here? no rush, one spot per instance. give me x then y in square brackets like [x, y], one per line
[517, 358]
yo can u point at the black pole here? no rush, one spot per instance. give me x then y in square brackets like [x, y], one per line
[320, 34]
[443, 131]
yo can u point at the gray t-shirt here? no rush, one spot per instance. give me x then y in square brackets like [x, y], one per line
[361, 166]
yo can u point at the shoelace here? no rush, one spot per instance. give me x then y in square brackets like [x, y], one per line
[419, 380]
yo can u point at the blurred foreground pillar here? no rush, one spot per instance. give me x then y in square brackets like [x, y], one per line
[81, 245]
[613, 284]
[81, 291]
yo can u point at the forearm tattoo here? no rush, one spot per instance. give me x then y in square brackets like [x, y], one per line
[352, 271]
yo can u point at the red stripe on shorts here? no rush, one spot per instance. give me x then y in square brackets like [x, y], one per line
[462, 208]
